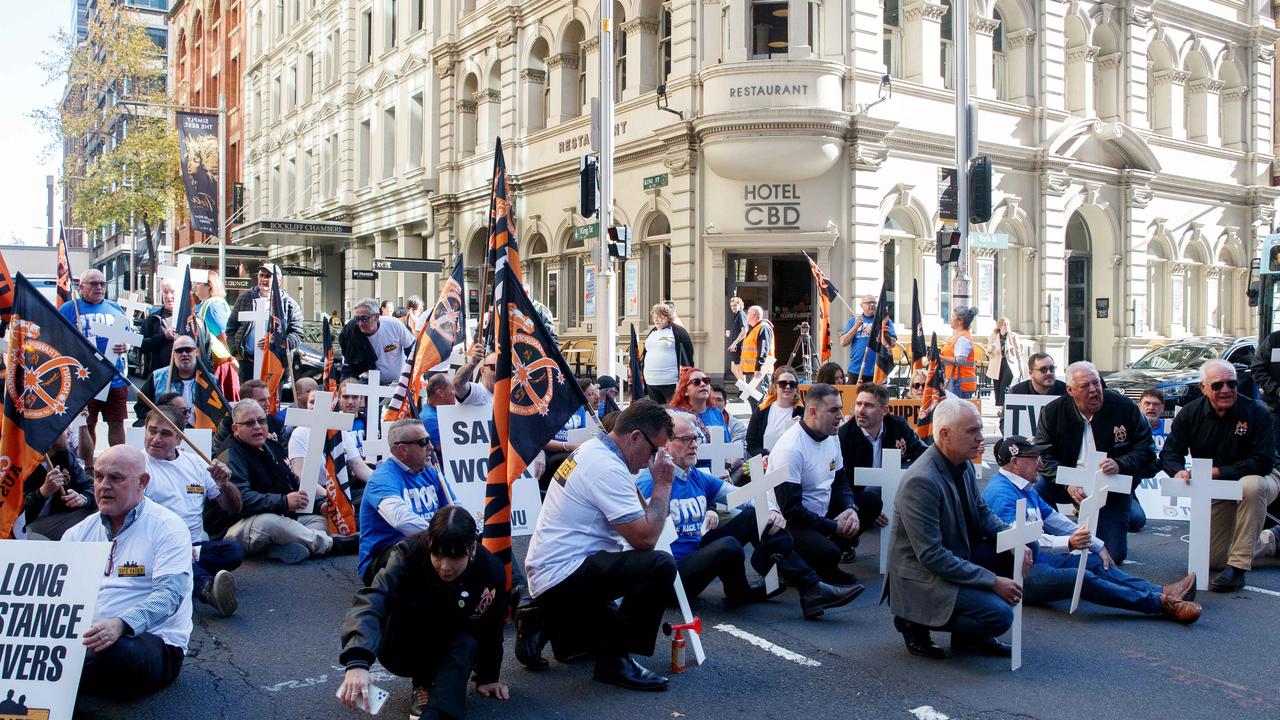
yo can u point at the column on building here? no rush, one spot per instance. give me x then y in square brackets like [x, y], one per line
[680, 162]
[798, 30]
[563, 68]
[981, 58]
[1080, 90]
[359, 254]
[867, 153]
[642, 56]
[409, 244]
[738, 21]
[447, 96]
[1173, 83]
[591, 50]
[388, 284]
[508, 93]
[922, 49]
[534, 83]
[1129, 309]
[1054, 184]
[488, 109]
[1134, 70]
[1052, 63]
[1202, 98]
[1258, 68]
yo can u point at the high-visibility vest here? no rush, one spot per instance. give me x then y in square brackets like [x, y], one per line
[964, 368]
[751, 348]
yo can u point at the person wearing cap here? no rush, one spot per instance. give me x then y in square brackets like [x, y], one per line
[1091, 418]
[243, 340]
[1053, 575]
[957, 355]
[608, 386]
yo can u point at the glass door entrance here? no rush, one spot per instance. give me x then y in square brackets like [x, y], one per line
[783, 286]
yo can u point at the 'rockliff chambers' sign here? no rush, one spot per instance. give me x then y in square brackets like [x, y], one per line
[746, 91]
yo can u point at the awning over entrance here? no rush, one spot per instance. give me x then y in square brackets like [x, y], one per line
[285, 233]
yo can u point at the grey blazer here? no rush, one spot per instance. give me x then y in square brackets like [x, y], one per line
[929, 549]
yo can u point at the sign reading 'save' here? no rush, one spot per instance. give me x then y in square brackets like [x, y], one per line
[48, 593]
[464, 444]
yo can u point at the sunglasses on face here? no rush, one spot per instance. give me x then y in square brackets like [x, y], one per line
[1217, 386]
[420, 442]
[917, 386]
[362, 319]
[698, 381]
[1046, 370]
[787, 384]
[184, 350]
[253, 423]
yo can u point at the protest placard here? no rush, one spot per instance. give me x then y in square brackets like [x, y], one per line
[1022, 412]
[464, 444]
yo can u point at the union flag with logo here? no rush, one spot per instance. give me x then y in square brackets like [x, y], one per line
[503, 248]
[337, 506]
[935, 391]
[826, 294]
[443, 329]
[277, 352]
[534, 395]
[53, 373]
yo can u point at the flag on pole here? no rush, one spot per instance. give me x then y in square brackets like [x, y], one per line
[635, 378]
[6, 294]
[445, 327]
[337, 506]
[503, 248]
[184, 321]
[879, 343]
[919, 353]
[328, 381]
[277, 351]
[53, 373]
[826, 293]
[534, 395]
[66, 289]
[934, 391]
[208, 404]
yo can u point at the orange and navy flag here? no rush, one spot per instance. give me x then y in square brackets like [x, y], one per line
[534, 395]
[66, 289]
[503, 248]
[6, 294]
[337, 506]
[208, 404]
[53, 373]
[328, 381]
[919, 353]
[443, 329]
[273, 367]
[880, 342]
[826, 293]
[184, 322]
[934, 391]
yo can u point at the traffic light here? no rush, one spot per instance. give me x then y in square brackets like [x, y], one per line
[620, 241]
[948, 246]
[588, 186]
[980, 189]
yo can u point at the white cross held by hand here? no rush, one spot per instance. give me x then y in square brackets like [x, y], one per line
[722, 453]
[750, 390]
[667, 537]
[887, 477]
[319, 419]
[1099, 485]
[132, 304]
[1203, 489]
[260, 315]
[374, 393]
[759, 492]
[1015, 538]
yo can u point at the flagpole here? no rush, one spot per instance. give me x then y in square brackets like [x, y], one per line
[147, 401]
[838, 294]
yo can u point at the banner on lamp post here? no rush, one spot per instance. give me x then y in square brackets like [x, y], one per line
[201, 157]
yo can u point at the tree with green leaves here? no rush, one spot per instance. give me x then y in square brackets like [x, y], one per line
[120, 158]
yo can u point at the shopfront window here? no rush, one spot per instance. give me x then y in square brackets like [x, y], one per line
[769, 28]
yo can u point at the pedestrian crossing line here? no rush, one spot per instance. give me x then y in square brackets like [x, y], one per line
[767, 646]
[1264, 591]
[926, 712]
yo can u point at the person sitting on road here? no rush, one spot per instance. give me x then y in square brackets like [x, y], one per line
[403, 494]
[358, 471]
[183, 484]
[776, 413]
[180, 378]
[435, 614]
[302, 389]
[255, 390]
[142, 620]
[1053, 576]
[59, 493]
[705, 549]
[440, 391]
[275, 515]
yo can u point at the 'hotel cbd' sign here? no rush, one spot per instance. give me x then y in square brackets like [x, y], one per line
[774, 206]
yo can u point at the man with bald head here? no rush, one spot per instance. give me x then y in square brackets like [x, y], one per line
[275, 515]
[1235, 432]
[143, 616]
[93, 307]
[942, 560]
[1091, 419]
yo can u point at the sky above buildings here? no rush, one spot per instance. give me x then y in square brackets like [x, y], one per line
[24, 38]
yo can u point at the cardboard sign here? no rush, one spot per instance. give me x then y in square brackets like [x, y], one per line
[464, 444]
[49, 592]
[1022, 413]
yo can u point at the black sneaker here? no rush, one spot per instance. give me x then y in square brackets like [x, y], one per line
[220, 593]
[421, 696]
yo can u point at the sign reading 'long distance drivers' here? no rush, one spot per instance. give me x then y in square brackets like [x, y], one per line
[48, 594]
[464, 442]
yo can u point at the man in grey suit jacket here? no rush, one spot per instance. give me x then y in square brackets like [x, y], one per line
[939, 522]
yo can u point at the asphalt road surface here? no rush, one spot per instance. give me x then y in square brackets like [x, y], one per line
[276, 658]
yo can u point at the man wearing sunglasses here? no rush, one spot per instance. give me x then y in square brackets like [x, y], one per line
[1093, 419]
[372, 341]
[181, 380]
[1042, 379]
[403, 495]
[91, 308]
[1235, 432]
[242, 333]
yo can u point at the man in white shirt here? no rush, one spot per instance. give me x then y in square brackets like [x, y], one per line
[143, 618]
[576, 563]
[388, 338]
[182, 483]
[358, 471]
[481, 393]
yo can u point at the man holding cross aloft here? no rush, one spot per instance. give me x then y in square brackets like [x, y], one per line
[1235, 432]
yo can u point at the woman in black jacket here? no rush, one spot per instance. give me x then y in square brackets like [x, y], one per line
[157, 333]
[780, 409]
[668, 349]
[435, 613]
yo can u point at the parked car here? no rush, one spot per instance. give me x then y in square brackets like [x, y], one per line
[1174, 369]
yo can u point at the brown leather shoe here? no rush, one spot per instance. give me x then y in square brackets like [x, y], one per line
[1183, 611]
[1184, 589]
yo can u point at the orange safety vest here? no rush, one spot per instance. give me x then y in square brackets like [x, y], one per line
[751, 348]
[964, 368]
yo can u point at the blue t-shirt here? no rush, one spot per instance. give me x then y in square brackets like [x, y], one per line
[691, 495]
[1159, 435]
[576, 421]
[424, 493]
[859, 345]
[106, 312]
[714, 417]
[432, 422]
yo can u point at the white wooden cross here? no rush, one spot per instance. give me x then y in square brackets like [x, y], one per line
[667, 537]
[320, 419]
[1016, 538]
[1099, 485]
[759, 492]
[1203, 490]
[722, 453]
[132, 304]
[887, 477]
[116, 333]
[260, 315]
[750, 390]
[374, 393]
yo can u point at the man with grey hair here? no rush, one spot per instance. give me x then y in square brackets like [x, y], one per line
[403, 495]
[371, 341]
[1235, 432]
[942, 572]
[243, 339]
[1090, 419]
[90, 309]
[856, 336]
[275, 515]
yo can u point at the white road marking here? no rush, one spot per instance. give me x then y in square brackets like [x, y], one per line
[296, 684]
[763, 644]
[1262, 590]
[926, 712]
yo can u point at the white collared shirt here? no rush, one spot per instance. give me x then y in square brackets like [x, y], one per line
[877, 445]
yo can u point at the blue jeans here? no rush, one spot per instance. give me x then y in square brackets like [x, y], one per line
[1137, 516]
[1113, 518]
[953, 387]
[979, 613]
[215, 555]
[1053, 577]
